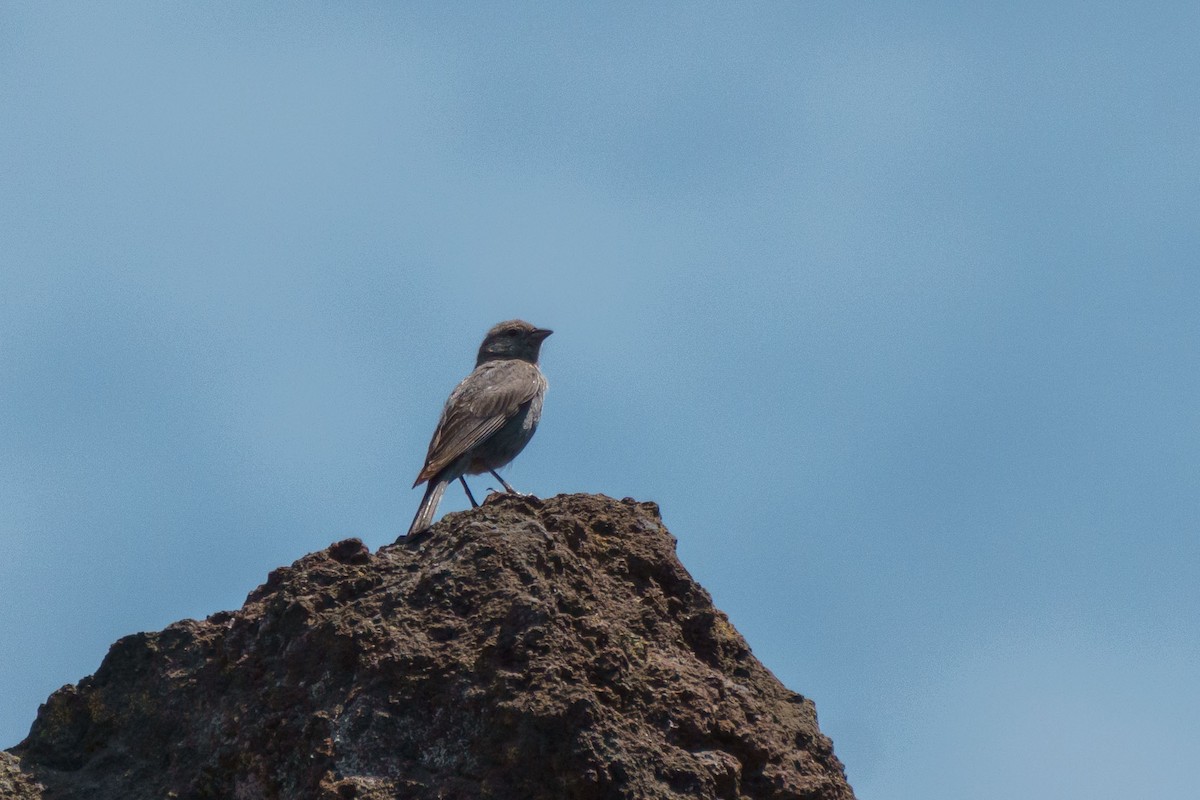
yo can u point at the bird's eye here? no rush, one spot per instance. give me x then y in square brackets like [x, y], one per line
[510, 333]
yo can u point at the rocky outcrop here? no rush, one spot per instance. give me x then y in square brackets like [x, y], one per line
[526, 649]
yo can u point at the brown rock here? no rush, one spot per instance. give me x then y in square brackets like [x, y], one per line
[528, 649]
[14, 783]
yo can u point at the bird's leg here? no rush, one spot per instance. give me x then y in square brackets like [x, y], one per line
[463, 480]
[507, 488]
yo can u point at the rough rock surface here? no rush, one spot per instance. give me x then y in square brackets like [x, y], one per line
[527, 649]
[15, 784]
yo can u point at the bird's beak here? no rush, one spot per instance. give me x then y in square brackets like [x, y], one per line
[542, 333]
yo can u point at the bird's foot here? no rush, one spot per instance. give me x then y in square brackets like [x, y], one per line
[493, 490]
[508, 488]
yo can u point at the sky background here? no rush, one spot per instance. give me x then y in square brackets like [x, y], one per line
[894, 309]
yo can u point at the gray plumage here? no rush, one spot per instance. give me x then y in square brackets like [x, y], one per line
[490, 416]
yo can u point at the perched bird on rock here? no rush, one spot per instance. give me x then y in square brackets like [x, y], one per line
[489, 417]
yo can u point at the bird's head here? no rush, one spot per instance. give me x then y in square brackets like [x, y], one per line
[513, 339]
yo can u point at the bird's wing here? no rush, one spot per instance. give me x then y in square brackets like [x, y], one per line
[478, 407]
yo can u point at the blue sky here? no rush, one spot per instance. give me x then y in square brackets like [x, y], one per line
[894, 310]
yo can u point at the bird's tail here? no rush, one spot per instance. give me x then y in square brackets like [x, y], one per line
[433, 496]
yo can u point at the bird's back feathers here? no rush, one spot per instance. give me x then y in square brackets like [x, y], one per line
[480, 405]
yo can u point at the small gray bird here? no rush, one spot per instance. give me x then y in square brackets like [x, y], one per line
[489, 417]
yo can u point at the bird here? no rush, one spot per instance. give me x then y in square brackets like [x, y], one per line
[489, 417]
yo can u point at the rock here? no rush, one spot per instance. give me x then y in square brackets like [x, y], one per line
[14, 783]
[527, 649]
